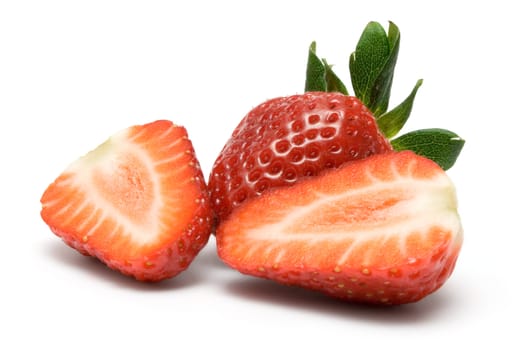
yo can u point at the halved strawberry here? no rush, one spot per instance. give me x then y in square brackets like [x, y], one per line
[384, 230]
[138, 202]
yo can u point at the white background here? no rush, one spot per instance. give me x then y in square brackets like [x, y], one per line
[74, 72]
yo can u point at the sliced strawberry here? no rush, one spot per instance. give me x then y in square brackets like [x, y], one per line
[138, 202]
[384, 229]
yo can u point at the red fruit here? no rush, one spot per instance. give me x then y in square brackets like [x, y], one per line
[288, 138]
[383, 230]
[138, 202]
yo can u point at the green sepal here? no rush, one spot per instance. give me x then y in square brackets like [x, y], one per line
[315, 72]
[320, 75]
[333, 83]
[372, 65]
[440, 145]
[391, 122]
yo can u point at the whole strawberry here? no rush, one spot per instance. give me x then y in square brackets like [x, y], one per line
[288, 138]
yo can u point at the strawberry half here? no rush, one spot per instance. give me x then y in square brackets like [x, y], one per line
[382, 230]
[288, 138]
[138, 202]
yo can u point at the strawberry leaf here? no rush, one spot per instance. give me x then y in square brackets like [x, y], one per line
[372, 65]
[440, 145]
[333, 83]
[381, 91]
[392, 121]
[315, 72]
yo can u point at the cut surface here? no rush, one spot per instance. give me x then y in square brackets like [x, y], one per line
[138, 196]
[388, 212]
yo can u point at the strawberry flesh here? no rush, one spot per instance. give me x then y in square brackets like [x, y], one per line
[288, 138]
[382, 230]
[138, 202]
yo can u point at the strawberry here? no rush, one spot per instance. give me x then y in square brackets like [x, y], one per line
[138, 202]
[382, 230]
[288, 138]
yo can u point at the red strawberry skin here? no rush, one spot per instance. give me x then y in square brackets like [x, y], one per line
[138, 202]
[288, 138]
[382, 230]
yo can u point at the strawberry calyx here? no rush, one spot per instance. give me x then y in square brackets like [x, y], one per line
[372, 66]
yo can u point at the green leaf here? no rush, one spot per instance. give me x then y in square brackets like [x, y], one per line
[333, 83]
[383, 85]
[368, 59]
[315, 72]
[372, 65]
[392, 121]
[441, 146]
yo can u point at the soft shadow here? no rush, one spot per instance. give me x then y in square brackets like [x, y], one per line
[261, 290]
[208, 260]
[93, 267]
